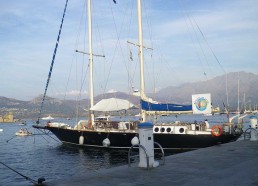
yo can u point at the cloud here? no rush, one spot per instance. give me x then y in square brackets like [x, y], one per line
[72, 93]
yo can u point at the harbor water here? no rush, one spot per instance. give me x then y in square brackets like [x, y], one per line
[42, 155]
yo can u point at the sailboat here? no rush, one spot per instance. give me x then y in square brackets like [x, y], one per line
[103, 133]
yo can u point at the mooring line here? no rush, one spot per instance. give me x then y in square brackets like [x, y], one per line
[11, 139]
[47, 135]
[39, 182]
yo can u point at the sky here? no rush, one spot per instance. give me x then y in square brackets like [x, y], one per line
[190, 40]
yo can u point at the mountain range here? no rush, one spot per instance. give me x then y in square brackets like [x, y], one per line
[225, 90]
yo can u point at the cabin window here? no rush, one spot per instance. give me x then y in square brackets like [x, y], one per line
[162, 129]
[181, 130]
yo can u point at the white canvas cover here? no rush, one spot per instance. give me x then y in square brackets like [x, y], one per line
[201, 103]
[112, 104]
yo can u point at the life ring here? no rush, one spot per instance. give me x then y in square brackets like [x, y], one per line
[216, 130]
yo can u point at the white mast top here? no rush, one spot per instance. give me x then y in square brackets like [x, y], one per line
[142, 86]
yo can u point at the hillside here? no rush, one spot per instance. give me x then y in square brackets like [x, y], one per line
[218, 87]
[182, 95]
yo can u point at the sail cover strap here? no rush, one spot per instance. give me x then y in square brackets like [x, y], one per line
[52, 63]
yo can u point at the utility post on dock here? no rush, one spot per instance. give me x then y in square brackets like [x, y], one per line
[253, 125]
[146, 141]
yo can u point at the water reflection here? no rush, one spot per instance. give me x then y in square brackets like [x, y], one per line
[92, 158]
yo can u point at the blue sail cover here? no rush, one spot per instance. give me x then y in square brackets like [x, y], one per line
[164, 107]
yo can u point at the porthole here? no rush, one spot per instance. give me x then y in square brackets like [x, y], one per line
[168, 129]
[162, 129]
[181, 130]
[156, 129]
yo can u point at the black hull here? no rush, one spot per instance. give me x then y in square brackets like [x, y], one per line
[122, 140]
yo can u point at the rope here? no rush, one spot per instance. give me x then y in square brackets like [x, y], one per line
[26, 177]
[45, 133]
[52, 63]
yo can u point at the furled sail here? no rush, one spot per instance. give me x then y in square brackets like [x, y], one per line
[165, 107]
[112, 104]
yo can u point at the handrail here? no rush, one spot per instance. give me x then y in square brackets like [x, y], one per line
[162, 151]
[249, 132]
[129, 154]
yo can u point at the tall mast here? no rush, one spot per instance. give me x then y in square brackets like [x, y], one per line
[90, 62]
[238, 109]
[142, 91]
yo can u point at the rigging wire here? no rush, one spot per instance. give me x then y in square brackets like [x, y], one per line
[76, 47]
[75, 59]
[52, 63]
[216, 58]
[132, 65]
[118, 45]
[46, 133]
[99, 40]
[194, 22]
[149, 28]
[204, 38]
[190, 18]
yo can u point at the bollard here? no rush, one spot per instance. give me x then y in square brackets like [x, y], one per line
[253, 125]
[145, 131]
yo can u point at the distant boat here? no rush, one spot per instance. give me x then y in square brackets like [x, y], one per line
[1, 130]
[48, 118]
[22, 123]
[23, 132]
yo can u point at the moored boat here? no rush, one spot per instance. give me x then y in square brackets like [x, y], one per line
[106, 133]
[23, 132]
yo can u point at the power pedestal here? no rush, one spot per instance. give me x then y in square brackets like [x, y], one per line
[145, 131]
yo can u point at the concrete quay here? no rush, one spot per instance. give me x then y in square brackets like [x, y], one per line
[234, 163]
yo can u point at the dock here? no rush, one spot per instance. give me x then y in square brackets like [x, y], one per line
[234, 163]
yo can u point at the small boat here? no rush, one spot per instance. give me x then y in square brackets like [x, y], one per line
[23, 132]
[1, 130]
[22, 123]
[47, 118]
